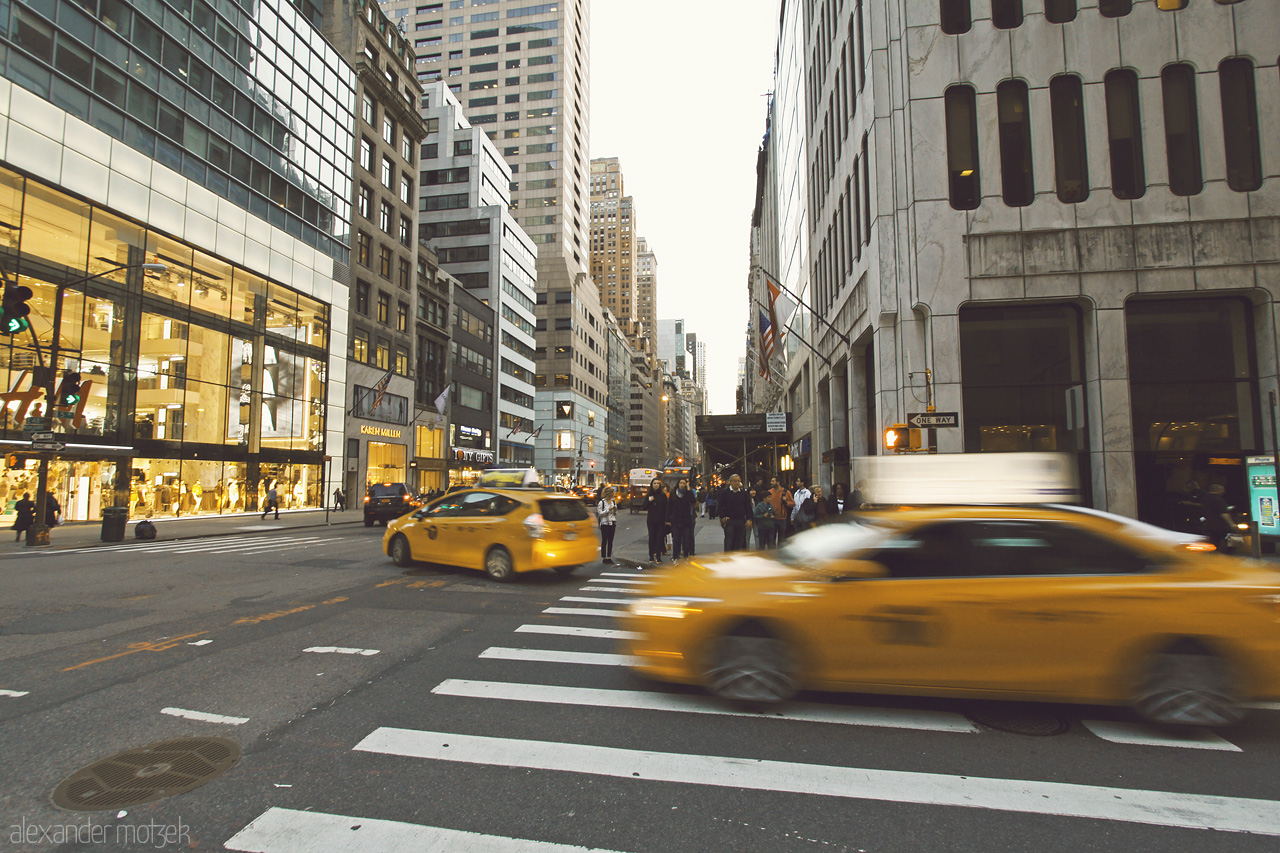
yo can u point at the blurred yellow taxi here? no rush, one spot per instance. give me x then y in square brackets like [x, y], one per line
[1023, 603]
[513, 526]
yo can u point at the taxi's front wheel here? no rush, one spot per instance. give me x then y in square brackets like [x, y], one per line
[497, 564]
[1187, 685]
[751, 665]
[400, 552]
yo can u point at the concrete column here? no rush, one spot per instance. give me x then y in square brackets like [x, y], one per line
[1110, 414]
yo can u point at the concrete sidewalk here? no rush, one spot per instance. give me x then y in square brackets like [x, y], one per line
[87, 533]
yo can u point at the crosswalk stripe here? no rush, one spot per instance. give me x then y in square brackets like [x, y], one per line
[1135, 733]
[14, 694]
[552, 656]
[620, 577]
[567, 631]
[1131, 805]
[279, 830]
[265, 542]
[156, 546]
[582, 611]
[589, 599]
[937, 721]
[614, 589]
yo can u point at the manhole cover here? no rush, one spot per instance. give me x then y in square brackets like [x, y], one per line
[1017, 719]
[147, 773]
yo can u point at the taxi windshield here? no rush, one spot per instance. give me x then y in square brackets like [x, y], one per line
[811, 548]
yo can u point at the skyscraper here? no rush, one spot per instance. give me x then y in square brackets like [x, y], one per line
[520, 72]
[613, 247]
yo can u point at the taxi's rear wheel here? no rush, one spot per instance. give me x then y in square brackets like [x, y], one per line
[1187, 685]
[497, 564]
[751, 665]
[400, 552]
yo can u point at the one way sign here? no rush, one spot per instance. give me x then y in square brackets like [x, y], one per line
[920, 420]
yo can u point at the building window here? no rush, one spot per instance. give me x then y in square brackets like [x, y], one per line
[367, 111]
[383, 354]
[364, 248]
[384, 308]
[866, 193]
[1115, 8]
[384, 262]
[406, 148]
[366, 154]
[1240, 124]
[956, 16]
[405, 274]
[962, 148]
[360, 346]
[366, 201]
[384, 217]
[1059, 11]
[362, 297]
[388, 173]
[1181, 129]
[1171, 5]
[461, 147]
[1006, 14]
[406, 189]
[1015, 143]
[430, 150]
[1066, 101]
[388, 130]
[402, 361]
[1124, 134]
[402, 316]
[406, 231]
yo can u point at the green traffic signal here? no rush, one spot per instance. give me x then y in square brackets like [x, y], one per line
[69, 389]
[14, 309]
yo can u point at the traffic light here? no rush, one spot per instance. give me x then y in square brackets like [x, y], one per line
[900, 438]
[69, 389]
[14, 309]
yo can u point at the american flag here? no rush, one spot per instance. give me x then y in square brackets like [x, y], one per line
[381, 388]
[781, 306]
[768, 342]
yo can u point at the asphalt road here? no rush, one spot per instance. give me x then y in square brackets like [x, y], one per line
[431, 709]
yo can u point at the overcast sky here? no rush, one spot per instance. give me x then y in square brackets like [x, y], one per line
[677, 94]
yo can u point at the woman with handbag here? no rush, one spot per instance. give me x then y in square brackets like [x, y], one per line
[655, 505]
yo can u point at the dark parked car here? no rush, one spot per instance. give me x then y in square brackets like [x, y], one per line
[387, 501]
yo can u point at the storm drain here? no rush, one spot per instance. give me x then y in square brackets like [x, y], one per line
[1018, 719]
[147, 773]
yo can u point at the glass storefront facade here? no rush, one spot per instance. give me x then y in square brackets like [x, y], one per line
[246, 99]
[200, 385]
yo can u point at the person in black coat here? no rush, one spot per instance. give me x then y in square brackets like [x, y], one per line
[840, 501]
[682, 509]
[655, 505]
[736, 514]
[25, 510]
[52, 509]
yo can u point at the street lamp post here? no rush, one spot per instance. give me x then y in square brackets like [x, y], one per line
[38, 534]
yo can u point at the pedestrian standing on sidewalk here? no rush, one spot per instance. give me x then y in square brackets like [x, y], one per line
[780, 500]
[681, 511]
[702, 501]
[25, 516]
[272, 502]
[765, 521]
[655, 506]
[736, 512]
[339, 500]
[607, 512]
[801, 515]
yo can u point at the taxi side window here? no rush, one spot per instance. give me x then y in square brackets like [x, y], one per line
[487, 503]
[936, 551]
[1025, 548]
[443, 509]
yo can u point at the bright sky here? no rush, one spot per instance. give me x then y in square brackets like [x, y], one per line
[677, 94]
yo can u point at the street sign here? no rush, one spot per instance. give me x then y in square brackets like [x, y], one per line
[48, 445]
[44, 436]
[775, 422]
[34, 424]
[922, 420]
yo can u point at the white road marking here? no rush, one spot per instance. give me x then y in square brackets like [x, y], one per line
[1132, 805]
[633, 575]
[339, 650]
[1264, 706]
[937, 721]
[202, 717]
[14, 694]
[1138, 734]
[614, 589]
[200, 643]
[589, 599]
[582, 611]
[549, 656]
[567, 631]
[280, 830]
[263, 543]
[158, 546]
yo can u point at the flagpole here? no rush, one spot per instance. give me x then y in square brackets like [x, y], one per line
[794, 295]
[790, 331]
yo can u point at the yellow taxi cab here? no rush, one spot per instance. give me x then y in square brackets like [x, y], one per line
[507, 523]
[1022, 602]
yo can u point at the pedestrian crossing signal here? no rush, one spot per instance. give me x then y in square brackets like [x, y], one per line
[899, 438]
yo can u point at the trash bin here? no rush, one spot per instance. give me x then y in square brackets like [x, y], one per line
[114, 519]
